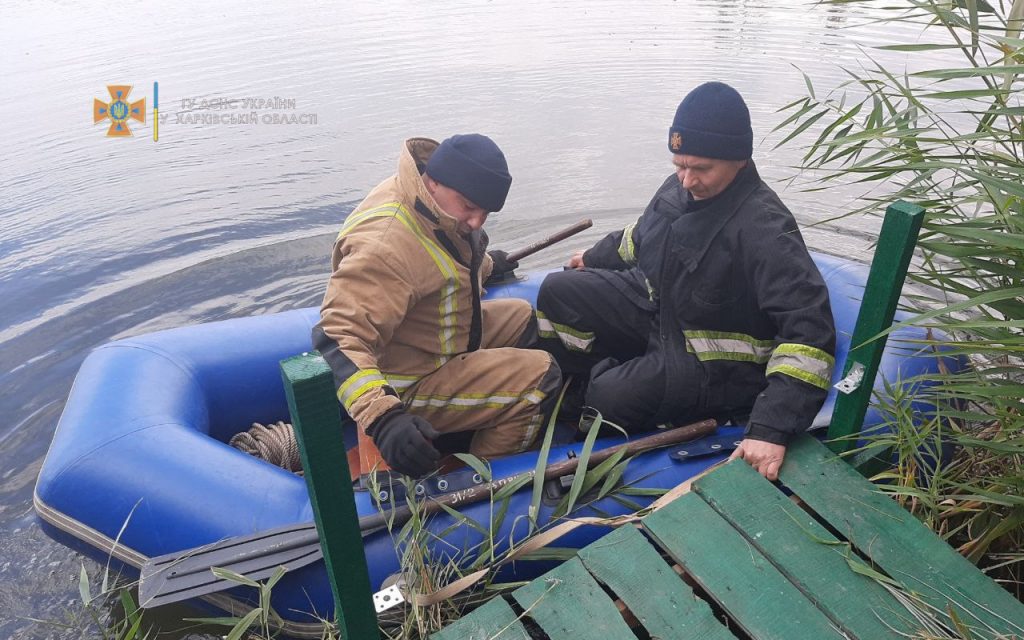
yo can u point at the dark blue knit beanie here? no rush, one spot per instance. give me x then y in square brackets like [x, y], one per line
[475, 167]
[712, 121]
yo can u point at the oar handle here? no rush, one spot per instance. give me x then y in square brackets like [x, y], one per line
[582, 225]
[664, 438]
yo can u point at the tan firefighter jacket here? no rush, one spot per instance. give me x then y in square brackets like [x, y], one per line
[404, 295]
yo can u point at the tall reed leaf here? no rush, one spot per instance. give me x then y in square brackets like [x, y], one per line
[947, 132]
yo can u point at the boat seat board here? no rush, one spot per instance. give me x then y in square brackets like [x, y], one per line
[822, 553]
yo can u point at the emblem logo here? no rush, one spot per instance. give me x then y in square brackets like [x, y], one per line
[119, 111]
[676, 141]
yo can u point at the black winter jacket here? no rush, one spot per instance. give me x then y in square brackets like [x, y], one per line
[735, 288]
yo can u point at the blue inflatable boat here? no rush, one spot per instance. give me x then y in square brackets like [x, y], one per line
[139, 466]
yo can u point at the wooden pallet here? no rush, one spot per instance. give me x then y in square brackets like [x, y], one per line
[763, 565]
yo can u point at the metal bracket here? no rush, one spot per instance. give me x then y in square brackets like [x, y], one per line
[387, 598]
[853, 379]
[391, 489]
[706, 446]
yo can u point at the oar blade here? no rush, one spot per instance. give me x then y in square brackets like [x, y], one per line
[176, 577]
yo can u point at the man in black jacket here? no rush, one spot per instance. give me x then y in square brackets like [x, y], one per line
[708, 305]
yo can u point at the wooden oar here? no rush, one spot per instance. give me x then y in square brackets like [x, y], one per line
[582, 225]
[184, 575]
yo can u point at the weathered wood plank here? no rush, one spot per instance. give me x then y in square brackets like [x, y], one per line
[889, 264]
[309, 388]
[665, 605]
[569, 605]
[907, 550]
[761, 600]
[805, 552]
[493, 621]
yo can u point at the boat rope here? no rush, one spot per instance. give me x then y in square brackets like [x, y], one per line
[274, 443]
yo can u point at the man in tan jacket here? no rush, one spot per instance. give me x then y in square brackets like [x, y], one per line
[413, 349]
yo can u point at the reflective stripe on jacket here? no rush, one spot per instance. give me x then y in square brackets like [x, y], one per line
[404, 294]
[737, 291]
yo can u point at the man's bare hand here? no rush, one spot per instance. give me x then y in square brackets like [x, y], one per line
[576, 261]
[765, 457]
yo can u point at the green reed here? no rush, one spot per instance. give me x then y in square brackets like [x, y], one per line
[951, 138]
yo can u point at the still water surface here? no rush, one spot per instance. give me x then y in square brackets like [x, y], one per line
[102, 238]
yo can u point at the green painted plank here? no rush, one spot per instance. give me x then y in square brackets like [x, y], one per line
[889, 265]
[569, 605]
[753, 592]
[906, 549]
[665, 605]
[316, 416]
[494, 621]
[800, 548]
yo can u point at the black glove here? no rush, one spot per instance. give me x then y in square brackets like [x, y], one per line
[404, 441]
[502, 265]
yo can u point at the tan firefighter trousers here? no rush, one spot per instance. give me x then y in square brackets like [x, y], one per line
[501, 391]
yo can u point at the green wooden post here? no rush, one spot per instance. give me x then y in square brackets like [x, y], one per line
[896, 243]
[315, 415]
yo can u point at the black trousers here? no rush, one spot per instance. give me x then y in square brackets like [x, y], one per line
[601, 325]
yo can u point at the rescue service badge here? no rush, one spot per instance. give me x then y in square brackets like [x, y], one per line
[119, 110]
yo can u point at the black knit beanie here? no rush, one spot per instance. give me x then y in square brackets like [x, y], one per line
[712, 121]
[475, 167]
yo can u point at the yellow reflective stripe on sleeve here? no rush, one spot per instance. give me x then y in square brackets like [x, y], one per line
[464, 401]
[802, 362]
[400, 382]
[727, 345]
[535, 397]
[359, 383]
[448, 305]
[572, 339]
[626, 249]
